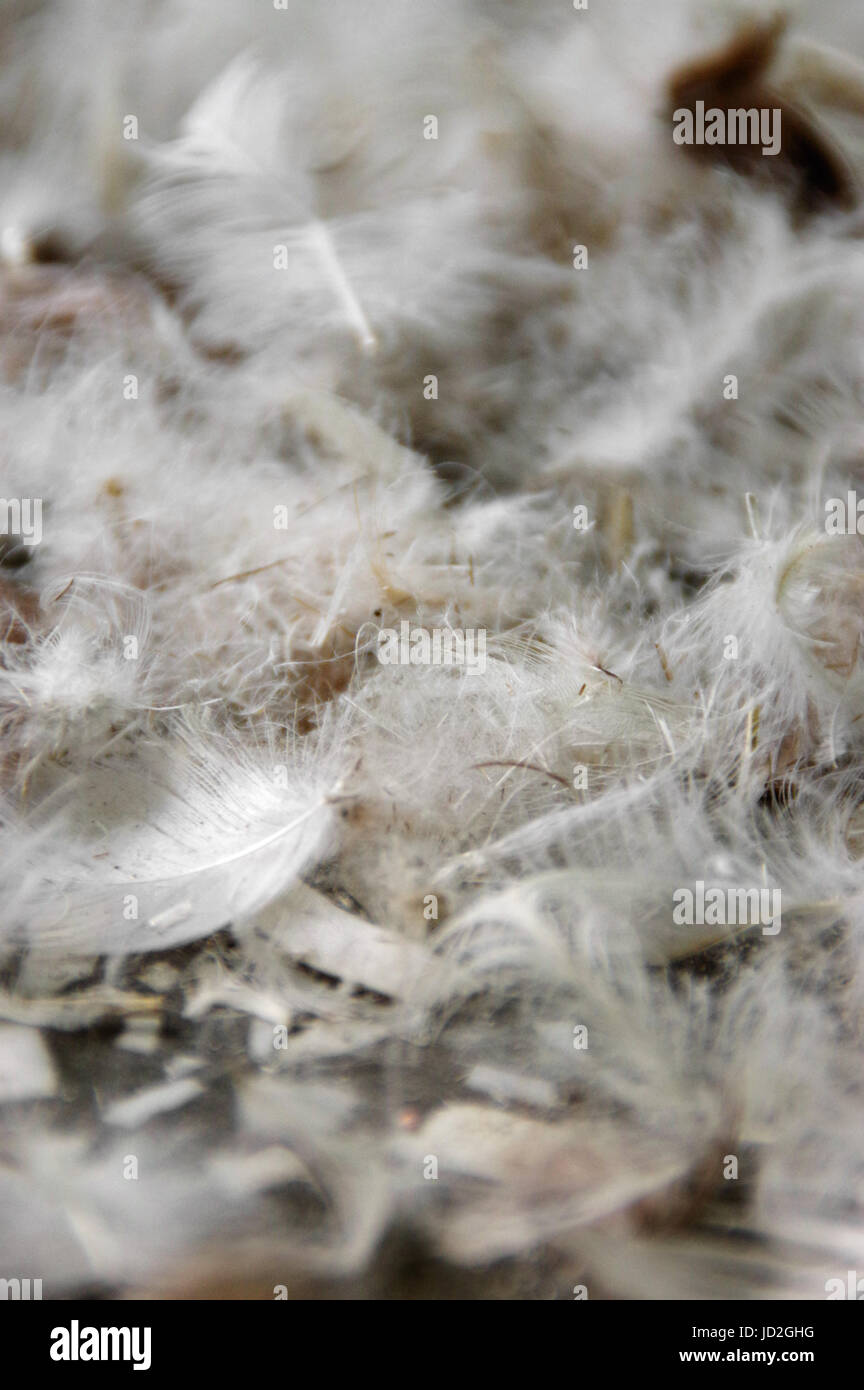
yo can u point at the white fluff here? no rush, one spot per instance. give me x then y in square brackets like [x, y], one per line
[285, 374]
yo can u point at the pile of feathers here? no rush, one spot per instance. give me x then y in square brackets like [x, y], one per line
[329, 975]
